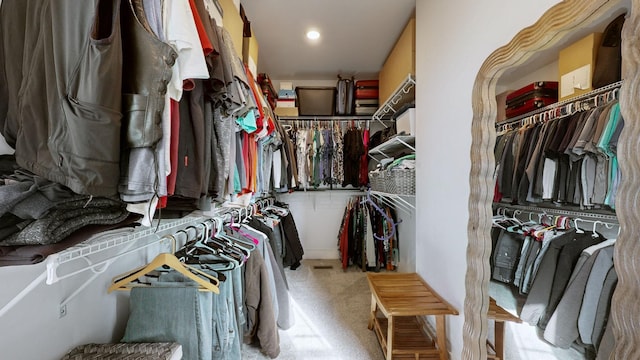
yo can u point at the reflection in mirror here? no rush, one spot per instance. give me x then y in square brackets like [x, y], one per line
[549, 170]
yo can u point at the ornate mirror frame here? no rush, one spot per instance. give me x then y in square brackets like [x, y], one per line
[559, 20]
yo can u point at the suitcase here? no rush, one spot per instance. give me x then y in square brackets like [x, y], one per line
[531, 97]
[367, 89]
[366, 106]
[344, 96]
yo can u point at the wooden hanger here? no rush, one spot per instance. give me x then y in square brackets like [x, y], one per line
[207, 282]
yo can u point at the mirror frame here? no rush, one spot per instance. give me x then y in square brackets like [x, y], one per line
[556, 22]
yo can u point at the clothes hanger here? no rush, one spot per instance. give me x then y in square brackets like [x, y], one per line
[575, 223]
[387, 218]
[207, 282]
[203, 252]
[237, 229]
[606, 225]
[249, 245]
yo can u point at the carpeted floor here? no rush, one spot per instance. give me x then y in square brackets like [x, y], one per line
[331, 309]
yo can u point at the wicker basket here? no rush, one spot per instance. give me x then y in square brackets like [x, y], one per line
[400, 181]
[376, 180]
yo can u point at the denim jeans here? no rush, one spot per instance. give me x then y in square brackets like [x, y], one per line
[179, 314]
[225, 338]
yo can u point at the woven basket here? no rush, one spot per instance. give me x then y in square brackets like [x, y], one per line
[376, 180]
[400, 181]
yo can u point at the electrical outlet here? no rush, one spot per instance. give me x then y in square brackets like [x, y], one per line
[63, 311]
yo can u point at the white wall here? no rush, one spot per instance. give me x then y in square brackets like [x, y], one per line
[33, 329]
[318, 215]
[407, 238]
[548, 72]
[453, 39]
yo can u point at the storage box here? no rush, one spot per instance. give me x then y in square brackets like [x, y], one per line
[400, 181]
[501, 101]
[232, 21]
[316, 100]
[406, 122]
[576, 64]
[286, 103]
[286, 94]
[250, 53]
[286, 111]
[366, 106]
[400, 62]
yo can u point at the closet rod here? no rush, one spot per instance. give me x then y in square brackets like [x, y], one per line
[325, 118]
[581, 98]
[552, 211]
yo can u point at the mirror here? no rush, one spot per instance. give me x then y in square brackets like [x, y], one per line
[559, 26]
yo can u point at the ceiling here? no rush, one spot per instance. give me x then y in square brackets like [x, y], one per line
[356, 36]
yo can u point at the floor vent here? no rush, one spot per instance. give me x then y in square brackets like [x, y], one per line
[323, 267]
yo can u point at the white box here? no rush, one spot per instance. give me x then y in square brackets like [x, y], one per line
[406, 122]
[286, 103]
[286, 85]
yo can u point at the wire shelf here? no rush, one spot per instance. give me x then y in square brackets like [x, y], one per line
[101, 244]
[404, 94]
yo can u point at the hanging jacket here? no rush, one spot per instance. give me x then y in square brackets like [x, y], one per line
[60, 97]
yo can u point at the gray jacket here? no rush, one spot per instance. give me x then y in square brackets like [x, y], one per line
[60, 90]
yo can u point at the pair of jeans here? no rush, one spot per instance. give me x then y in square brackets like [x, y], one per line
[225, 337]
[179, 314]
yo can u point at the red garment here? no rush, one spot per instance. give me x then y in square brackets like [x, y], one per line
[173, 147]
[497, 195]
[207, 48]
[344, 239]
[250, 157]
[174, 141]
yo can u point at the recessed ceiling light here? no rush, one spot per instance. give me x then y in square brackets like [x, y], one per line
[313, 35]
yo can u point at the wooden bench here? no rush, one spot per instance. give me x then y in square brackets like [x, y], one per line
[499, 315]
[402, 298]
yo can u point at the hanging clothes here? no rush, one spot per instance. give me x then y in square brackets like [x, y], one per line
[353, 152]
[365, 236]
[568, 161]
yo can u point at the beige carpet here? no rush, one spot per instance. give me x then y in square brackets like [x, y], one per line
[331, 310]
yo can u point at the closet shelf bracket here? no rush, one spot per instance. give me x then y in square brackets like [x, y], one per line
[396, 200]
[393, 146]
[402, 95]
[121, 244]
[102, 244]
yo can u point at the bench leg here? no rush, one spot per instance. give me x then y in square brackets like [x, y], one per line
[390, 337]
[441, 335]
[374, 308]
[499, 341]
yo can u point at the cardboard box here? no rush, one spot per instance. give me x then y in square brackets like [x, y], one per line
[400, 62]
[286, 111]
[232, 21]
[250, 53]
[406, 122]
[501, 102]
[286, 85]
[575, 66]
